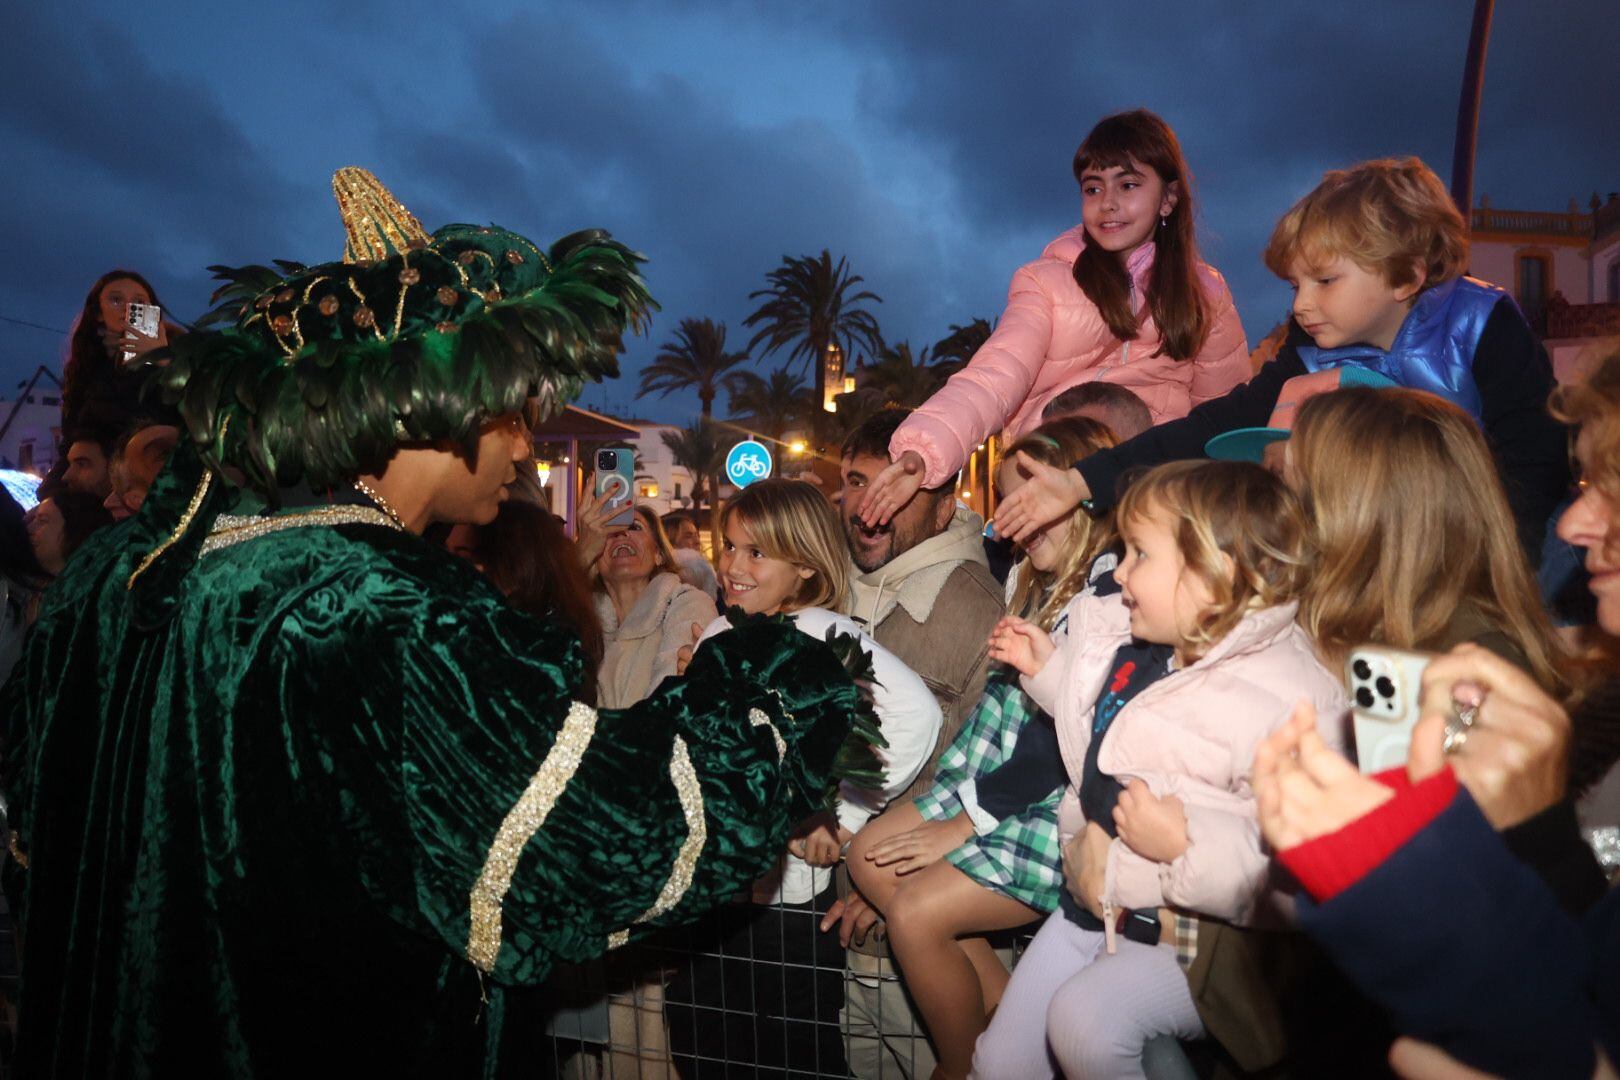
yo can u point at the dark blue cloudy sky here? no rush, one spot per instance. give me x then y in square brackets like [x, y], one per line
[928, 142]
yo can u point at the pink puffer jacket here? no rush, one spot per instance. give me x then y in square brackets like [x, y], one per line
[1193, 735]
[1051, 338]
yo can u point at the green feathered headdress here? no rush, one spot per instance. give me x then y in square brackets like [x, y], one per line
[316, 374]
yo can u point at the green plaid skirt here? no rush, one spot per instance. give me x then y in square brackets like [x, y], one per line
[1021, 857]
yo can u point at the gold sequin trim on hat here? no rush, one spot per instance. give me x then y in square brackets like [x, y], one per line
[525, 818]
[363, 316]
[405, 282]
[195, 505]
[545, 263]
[373, 220]
[690, 792]
[757, 718]
[231, 529]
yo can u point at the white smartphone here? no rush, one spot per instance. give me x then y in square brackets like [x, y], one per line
[1386, 690]
[144, 319]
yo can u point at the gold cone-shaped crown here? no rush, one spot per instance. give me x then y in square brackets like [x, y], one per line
[377, 224]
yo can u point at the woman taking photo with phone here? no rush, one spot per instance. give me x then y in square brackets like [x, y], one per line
[98, 387]
[647, 612]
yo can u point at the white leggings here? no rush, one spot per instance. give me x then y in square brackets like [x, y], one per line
[1075, 1010]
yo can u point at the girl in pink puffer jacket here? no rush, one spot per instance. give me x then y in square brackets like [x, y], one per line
[1122, 298]
[1160, 696]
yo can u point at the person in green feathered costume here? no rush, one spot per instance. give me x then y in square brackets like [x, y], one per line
[296, 792]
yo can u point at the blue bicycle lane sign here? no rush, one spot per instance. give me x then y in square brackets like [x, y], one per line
[748, 461]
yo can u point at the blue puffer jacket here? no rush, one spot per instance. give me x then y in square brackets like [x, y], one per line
[1434, 349]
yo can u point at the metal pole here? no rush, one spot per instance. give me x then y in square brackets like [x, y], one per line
[1473, 84]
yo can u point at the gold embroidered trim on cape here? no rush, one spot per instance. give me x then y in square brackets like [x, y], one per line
[195, 505]
[690, 792]
[758, 718]
[525, 818]
[232, 529]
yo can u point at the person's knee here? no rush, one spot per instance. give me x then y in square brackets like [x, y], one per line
[914, 915]
[998, 1057]
[866, 875]
[1083, 1035]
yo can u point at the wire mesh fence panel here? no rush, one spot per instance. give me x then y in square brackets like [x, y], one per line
[749, 991]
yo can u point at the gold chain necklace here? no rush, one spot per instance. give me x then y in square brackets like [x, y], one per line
[382, 504]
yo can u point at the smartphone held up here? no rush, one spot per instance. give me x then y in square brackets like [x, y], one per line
[1386, 691]
[615, 479]
[142, 319]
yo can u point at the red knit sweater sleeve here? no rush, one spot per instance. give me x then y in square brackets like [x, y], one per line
[1332, 863]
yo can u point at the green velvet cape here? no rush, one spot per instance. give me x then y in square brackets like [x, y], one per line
[265, 793]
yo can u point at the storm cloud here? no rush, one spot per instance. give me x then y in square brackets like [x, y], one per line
[930, 143]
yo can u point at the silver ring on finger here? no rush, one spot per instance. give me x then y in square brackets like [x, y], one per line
[1458, 724]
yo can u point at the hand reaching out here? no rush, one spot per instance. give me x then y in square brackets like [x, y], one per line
[1021, 644]
[856, 919]
[892, 489]
[1051, 493]
[819, 840]
[1304, 789]
[1152, 827]
[683, 655]
[922, 846]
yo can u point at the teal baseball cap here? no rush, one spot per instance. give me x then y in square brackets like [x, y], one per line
[1249, 444]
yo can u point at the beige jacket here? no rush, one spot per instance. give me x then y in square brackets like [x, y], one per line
[641, 651]
[934, 607]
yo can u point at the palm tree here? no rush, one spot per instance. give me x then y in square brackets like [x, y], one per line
[963, 341]
[701, 450]
[772, 406]
[696, 359]
[809, 306]
[902, 378]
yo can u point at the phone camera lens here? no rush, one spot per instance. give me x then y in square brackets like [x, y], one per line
[1364, 697]
[1385, 687]
[1362, 669]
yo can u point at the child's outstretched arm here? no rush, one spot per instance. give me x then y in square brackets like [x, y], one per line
[1021, 644]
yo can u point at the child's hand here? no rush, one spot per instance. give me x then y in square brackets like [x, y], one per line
[925, 845]
[819, 840]
[1306, 790]
[1021, 644]
[683, 655]
[1085, 867]
[892, 489]
[1050, 493]
[1152, 827]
